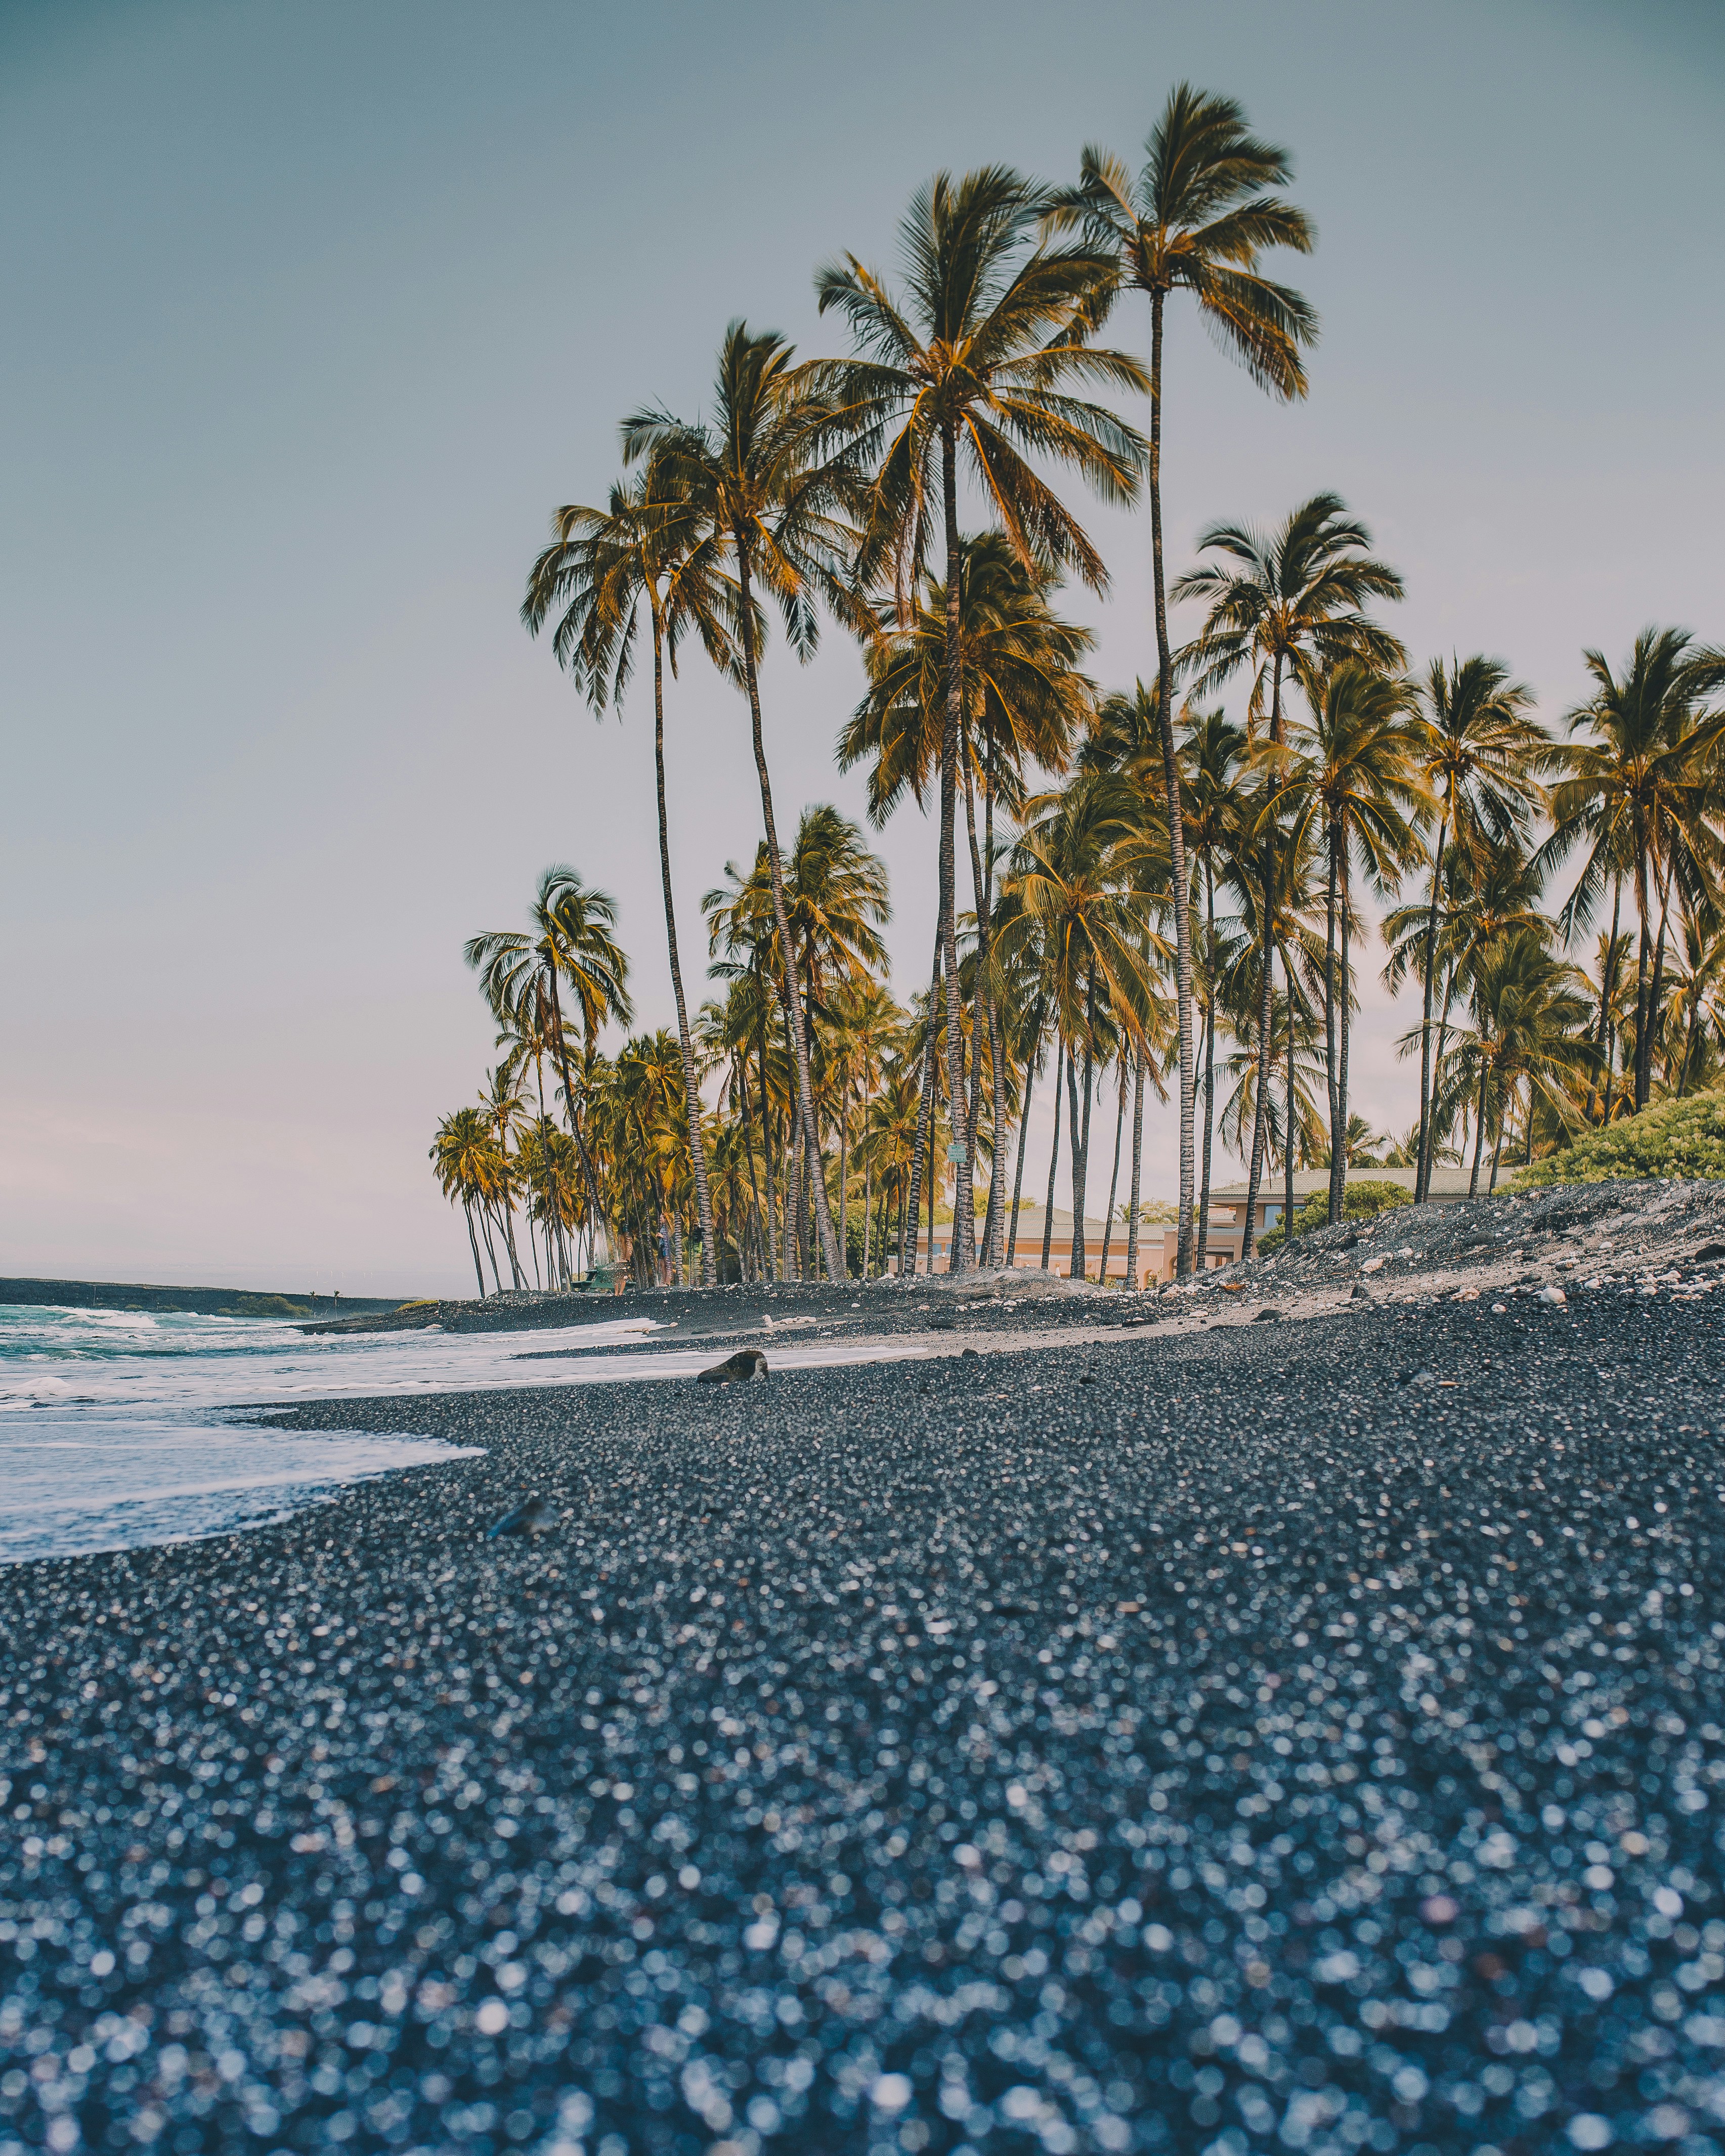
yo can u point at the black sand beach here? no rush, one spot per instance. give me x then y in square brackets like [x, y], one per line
[1305, 1735]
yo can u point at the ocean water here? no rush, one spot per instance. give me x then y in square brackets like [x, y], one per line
[120, 1428]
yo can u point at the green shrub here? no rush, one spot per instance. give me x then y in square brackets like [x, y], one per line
[1361, 1201]
[1684, 1138]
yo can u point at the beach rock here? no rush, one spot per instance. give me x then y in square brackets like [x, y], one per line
[736, 1369]
[1016, 1283]
[532, 1518]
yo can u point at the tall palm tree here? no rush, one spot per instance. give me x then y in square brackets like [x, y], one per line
[1211, 756]
[836, 902]
[1024, 703]
[1493, 890]
[1479, 751]
[644, 554]
[1695, 1027]
[1072, 878]
[1289, 605]
[505, 1110]
[1355, 783]
[970, 371]
[1648, 776]
[463, 1153]
[570, 944]
[1529, 1011]
[769, 479]
[1198, 219]
[1265, 863]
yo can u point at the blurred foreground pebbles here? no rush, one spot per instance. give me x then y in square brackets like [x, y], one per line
[1254, 1747]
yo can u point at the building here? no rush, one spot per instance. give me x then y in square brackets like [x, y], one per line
[1158, 1241]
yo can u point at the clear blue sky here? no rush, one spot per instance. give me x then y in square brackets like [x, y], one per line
[313, 313]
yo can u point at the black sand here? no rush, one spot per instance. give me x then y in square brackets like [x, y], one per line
[1299, 1737]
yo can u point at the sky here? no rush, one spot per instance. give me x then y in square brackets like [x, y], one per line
[315, 314]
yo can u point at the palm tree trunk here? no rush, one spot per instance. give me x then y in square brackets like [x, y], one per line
[925, 1124]
[1176, 814]
[1479, 1135]
[1292, 1112]
[1210, 1058]
[979, 997]
[1655, 991]
[473, 1245]
[1332, 1057]
[981, 872]
[490, 1246]
[691, 1090]
[749, 1147]
[1054, 1156]
[592, 1185]
[1078, 1257]
[868, 1208]
[1642, 909]
[1018, 1179]
[844, 1169]
[963, 1251]
[1608, 983]
[805, 1089]
[1422, 1157]
[1113, 1183]
[1131, 1229]
[1437, 1070]
[1260, 1115]
[1346, 1029]
[994, 1230]
[1080, 1266]
[933, 1192]
[769, 1221]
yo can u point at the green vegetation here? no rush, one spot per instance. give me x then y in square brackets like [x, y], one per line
[1364, 1201]
[1684, 1138]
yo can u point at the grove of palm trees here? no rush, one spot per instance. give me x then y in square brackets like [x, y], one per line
[1178, 885]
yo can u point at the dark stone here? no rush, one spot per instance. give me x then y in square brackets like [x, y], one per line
[736, 1369]
[530, 1519]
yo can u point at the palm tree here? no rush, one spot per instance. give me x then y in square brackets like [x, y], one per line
[1211, 755]
[1265, 862]
[1073, 879]
[1197, 220]
[505, 1108]
[1644, 785]
[644, 553]
[767, 480]
[1289, 605]
[1478, 751]
[570, 943]
[835, 901]
[971, 372]
[463, 1153]
[1529, 1012]
[1355, 781]
[1696, 1022]
[1025, 702]
[1494, 889]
